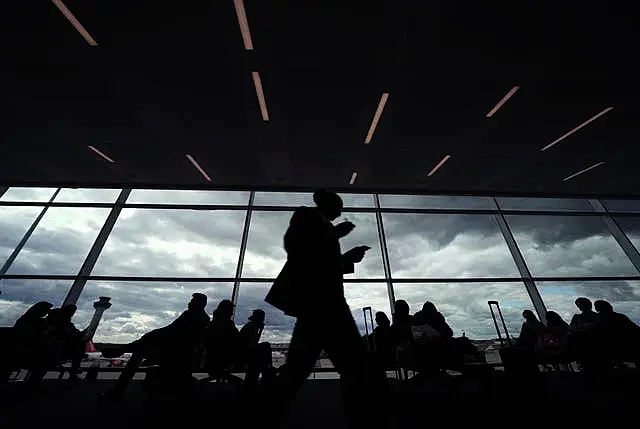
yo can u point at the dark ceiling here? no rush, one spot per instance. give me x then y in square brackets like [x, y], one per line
[174, 78]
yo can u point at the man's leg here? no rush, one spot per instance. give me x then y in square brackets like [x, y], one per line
[301, 358]
[346, 350]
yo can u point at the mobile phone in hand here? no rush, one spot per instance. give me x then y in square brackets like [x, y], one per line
[365, 248]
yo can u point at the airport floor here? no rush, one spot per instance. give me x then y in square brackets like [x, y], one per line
[551, 398]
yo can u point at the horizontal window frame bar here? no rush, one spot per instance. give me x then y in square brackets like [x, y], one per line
[568, 279]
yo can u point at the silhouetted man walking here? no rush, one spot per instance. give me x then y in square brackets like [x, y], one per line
[310, 288]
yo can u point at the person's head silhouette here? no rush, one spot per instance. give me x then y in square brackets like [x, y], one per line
[38, 310]
[529, 316]
[401, 308]
[198, 301]
[603, 307]
[257, 316]
[554, 319]
[382, 319]
[328, 203]
[225, 309]
[429, 308]
[68, 311]
[583, 304]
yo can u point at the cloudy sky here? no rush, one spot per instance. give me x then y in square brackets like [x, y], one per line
[205, 243]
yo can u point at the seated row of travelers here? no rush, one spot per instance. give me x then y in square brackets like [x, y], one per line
[44, 337]
[591, 337]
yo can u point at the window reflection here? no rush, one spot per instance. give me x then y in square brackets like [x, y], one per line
[624, 295]
[446, 246]
[173, 243]
[14, 223]
[278, 327]
[297, 199]
[60, 242]
[435, 202]
[545, 204]
[69, 195]
[28, 194]
[465, 305]
[163, 196]
[139, 307]
[567, 246]
[20, 294]
[631, 227]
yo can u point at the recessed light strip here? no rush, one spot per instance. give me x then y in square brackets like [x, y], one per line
[197, 166]
[354, 176]
[263, 104]
[584, 124]
[93, 148]
[244, 24]
[503, 101]
[438, 165]
[76, 24]
[598, 164]
[376, 117]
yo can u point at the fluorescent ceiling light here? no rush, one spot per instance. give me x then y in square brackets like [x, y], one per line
[197, 166]
[101, 154]
[438, 165]
[503, 101]
[598, 164]
[263, 104]
[244, 24]
[376, 117]
[584, 124]
[354, 176]
[76, 24]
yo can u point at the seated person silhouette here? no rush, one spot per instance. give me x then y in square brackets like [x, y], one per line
[530, 331]
[615, 334]
[432, 337]
[71, 339]
[221, 342]
[31, 343]
[586, 317]
[401, 326]
[551, 340]
[255, 354]
[173, 347]
[380, 342]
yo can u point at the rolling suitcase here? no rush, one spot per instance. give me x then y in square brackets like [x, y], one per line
[516, 360]
[369, 337]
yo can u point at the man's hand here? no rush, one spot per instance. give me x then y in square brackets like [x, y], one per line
[356, 254]
[344, 228]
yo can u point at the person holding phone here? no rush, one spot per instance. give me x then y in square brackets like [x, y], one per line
[310, 288]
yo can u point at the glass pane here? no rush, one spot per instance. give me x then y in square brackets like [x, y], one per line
[631, 227]
[435, 202]
[265, 255]
[446, 246]
[622, 294]
[162, 196]
[60, 242]
[19, 294]
[569, 246]
[360, 295]
[173, 243]
[465, 305]
[278, 327]
[73, 195]
[28, 194]
[542, 204]
[139, 307]
[14, 222]
[623, 206]
[297, 199]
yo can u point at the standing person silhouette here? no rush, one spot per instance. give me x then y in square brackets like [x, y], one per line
[310, 288]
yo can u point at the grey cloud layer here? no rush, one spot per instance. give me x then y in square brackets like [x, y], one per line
[206, 244]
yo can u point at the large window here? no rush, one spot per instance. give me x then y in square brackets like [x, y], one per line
[173, 243]
[569, 246]
[165, 245]
[446, 246]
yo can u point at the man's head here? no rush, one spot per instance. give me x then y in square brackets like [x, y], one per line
[257, 316]
[401, 308]
[329, 203]
[583, 304]
[198, 301]
[603, 307]
[529, 316]
[225, 309]
[382, 319]
[68, 311]
[429, 308]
